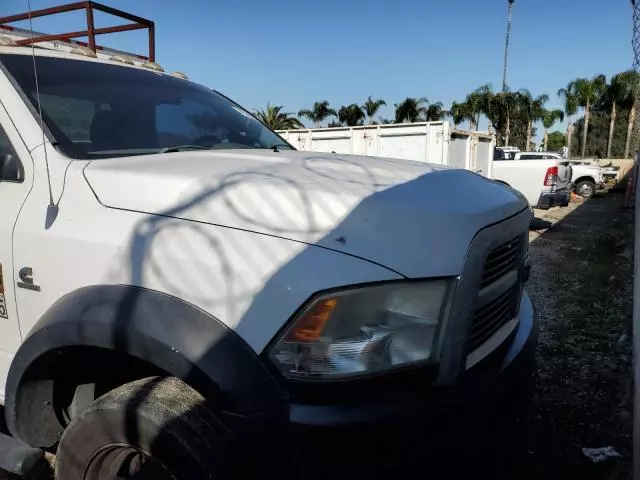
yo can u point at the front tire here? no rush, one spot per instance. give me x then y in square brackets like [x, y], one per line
[154, 428]
[586, 189]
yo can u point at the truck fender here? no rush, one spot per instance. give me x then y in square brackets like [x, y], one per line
[584, 178]
[160, 329]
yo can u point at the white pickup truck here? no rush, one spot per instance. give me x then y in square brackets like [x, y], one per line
[178, 283]
[588, 179]
[543, 178]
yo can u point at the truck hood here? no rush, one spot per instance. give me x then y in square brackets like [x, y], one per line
[414, 218]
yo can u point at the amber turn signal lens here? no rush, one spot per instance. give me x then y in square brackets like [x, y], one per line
[310, 325]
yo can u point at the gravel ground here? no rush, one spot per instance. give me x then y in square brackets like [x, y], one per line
[581, 286]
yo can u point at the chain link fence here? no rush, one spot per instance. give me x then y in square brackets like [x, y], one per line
[635, 42]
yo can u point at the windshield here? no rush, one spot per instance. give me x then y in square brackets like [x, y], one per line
[96, 110]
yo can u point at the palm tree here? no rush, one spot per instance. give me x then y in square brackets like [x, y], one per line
[478, 102]
[621, 92]
[459, 113]
[488, 104]
[409, 110]
[505, 106]
[371, 107]
[273, 118]
[549, 117]
[434, 112]
[614, 95]
[351, 115]
[319, 113]
[632, 103]
[588, 92]
[570, 109]
[533, 110]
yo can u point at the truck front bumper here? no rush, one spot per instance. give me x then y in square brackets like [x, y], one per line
[557, 198]
[511, 361]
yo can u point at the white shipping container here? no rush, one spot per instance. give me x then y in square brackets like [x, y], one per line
[432, 142]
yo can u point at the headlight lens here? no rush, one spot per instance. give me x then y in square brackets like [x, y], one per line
[363, 331]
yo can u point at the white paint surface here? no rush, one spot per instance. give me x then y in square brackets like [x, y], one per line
[395, 213]
[12, 196]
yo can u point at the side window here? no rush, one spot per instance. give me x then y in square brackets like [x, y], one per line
[11, 169]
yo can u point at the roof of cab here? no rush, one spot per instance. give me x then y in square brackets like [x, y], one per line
[46, 52]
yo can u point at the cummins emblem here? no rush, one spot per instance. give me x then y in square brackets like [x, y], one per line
[26, 279]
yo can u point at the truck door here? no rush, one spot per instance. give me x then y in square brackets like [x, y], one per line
[16, 175]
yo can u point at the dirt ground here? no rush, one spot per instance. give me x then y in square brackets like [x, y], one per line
[581, 397]
[581, 286]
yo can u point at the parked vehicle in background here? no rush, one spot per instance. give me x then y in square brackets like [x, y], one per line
[611, 173]
[542, 177]
[181, 287]
[505, 153]
[587, 178]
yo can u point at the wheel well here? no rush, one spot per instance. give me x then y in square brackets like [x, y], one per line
[99, 337]
[47, 398]
[584, 179]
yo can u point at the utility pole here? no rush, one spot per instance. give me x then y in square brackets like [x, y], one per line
[506, 47]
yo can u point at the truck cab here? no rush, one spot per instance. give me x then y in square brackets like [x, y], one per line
[177, 282]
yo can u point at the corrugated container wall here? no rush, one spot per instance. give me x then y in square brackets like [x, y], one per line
[432, 142]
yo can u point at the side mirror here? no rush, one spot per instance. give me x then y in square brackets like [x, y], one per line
[10, 168]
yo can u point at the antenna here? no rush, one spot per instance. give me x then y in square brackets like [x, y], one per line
[52, 208]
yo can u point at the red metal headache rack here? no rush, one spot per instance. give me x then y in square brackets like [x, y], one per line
[64, 41]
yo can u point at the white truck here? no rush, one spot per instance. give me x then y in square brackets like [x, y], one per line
[543, 178]
[588, 179]
[178, 284]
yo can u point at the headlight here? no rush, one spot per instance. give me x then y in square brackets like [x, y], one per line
[363, 331]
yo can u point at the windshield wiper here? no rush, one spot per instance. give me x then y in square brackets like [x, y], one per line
[275, 146]
[182, 148]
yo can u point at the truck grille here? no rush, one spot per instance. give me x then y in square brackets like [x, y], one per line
[500, 261]
[488, 319]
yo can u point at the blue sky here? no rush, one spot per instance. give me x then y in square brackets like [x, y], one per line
[292, 53]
